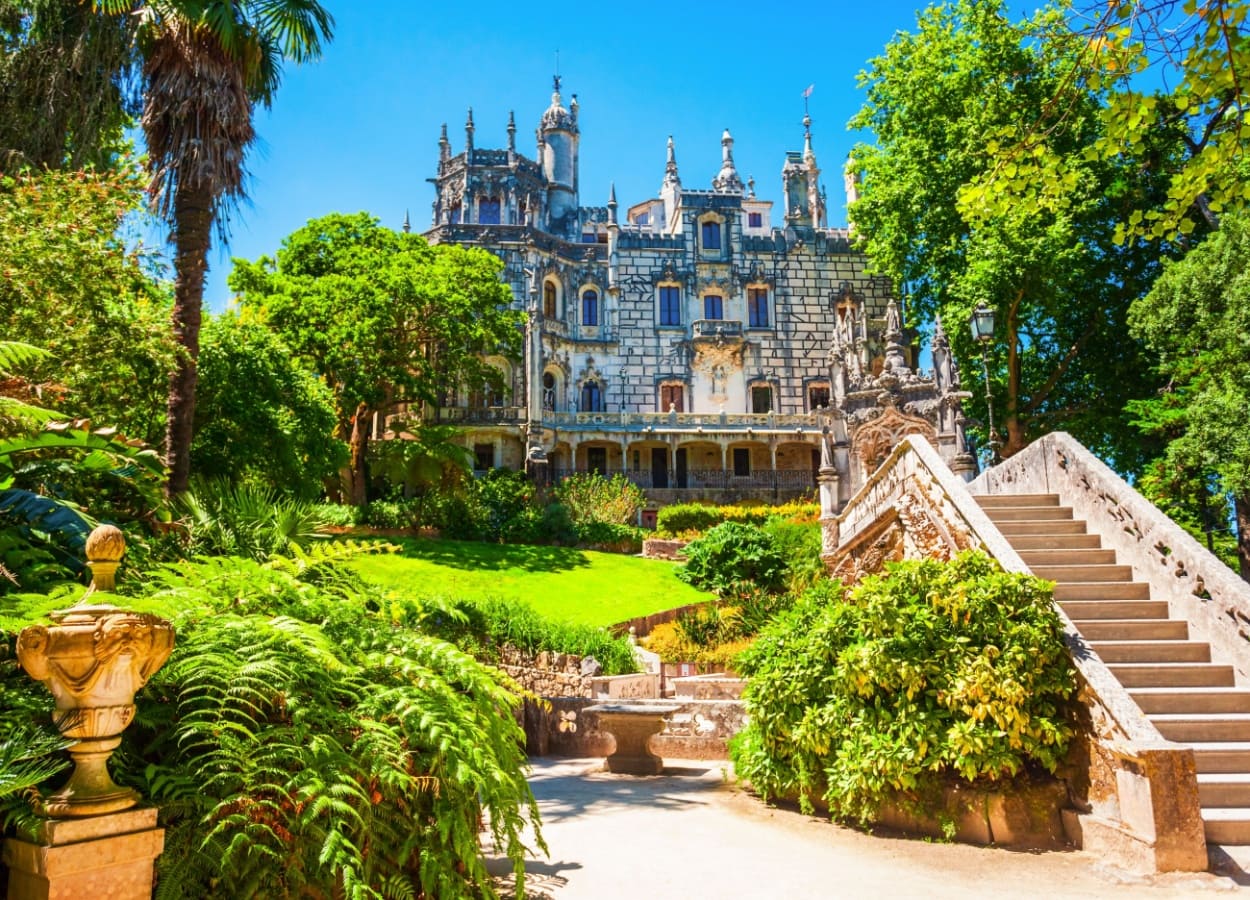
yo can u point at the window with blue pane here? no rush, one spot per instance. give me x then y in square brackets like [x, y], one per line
[592, 397]
[670, 305]
[713, 307]
[590, 308]
[488, 211]
[757, 307]
[711, 235]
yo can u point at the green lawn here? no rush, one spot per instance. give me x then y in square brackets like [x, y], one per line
[564, 584]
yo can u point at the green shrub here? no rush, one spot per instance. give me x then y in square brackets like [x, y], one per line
[246, 519]
[300, 744]
[590, 497]
[731, 555]
[341, 515]
[609, 536]
[799, 544]
[684, 517]
[930, 671]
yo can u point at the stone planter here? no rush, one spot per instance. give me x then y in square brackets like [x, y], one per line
[93, 660]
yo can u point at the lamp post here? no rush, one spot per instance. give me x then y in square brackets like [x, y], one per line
[983, 334]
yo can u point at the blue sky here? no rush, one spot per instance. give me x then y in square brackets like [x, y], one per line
[358, 130]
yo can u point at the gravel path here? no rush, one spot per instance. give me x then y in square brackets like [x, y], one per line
[690, 834]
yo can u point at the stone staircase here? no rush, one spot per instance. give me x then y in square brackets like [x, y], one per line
[1187, 697]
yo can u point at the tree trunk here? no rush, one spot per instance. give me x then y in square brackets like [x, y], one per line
[193, 221]
[1241, 505]
[1014, 437]
[359, 445]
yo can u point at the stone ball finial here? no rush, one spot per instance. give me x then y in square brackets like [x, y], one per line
[106, 543]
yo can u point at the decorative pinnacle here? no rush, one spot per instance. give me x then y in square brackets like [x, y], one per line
[612, 194]
[407, 223]
[670, 166]
[468, 124]
[105, 547]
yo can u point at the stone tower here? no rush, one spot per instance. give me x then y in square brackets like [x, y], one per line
[557, 154]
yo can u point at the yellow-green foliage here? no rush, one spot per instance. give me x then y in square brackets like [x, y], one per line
[932, 670]
[671, 643]
[687, 520]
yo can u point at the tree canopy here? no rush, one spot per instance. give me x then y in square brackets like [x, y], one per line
[383, 317]
[1058, 281]
[1197, 319]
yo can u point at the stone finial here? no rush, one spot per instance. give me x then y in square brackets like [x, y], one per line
[670, 166]
[105, 547]
[751, 186]
[808, 154]
[468, 135]
[407, 223]
[612, 204]
[727, 179]
[511, 132]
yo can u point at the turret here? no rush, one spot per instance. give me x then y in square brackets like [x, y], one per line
[614, 233]
[801, 183]
[558, 146]
[444, 149]
[468, 138]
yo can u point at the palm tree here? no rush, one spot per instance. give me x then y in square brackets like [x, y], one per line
[205, 66]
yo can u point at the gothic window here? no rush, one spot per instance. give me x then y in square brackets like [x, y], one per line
[742, 461]
[488, 211]
[549, 392]
[590, 308]
[761, 399]
[713, 307]
[671, 397]
[755, 220]
[711, 235]
[453, 214]
[757, 307]
[592, 397]
[670, 305]
[817, 396]
[549, 300]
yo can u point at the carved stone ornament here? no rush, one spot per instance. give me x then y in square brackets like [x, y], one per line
[874, 440]
[93, 660]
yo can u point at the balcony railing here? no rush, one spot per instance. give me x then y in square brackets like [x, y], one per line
[707, 479]
[714, 328]
[483, 415]
[712, 421]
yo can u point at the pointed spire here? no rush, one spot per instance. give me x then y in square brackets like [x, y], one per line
[670, 167]
[407, 223]
[511, 132]
[612, 204]
[444, 145]
[727, 180]
[468, 133]
[808, 154]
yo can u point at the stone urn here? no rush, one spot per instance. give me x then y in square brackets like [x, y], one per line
[93, 660]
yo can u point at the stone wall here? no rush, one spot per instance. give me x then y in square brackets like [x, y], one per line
[641, 625]
[707, 687]
[548, 674]
[655, 548]
[699, 729]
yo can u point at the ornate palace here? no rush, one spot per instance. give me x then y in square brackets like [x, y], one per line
[691, 342]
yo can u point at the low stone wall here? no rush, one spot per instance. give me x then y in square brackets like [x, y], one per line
[656, 548]
[700, 729]
[707, 687]
[548, 674]
[642, 625]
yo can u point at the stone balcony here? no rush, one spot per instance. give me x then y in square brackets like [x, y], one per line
[659, 422]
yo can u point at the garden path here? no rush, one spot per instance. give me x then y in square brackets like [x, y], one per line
[690, 835]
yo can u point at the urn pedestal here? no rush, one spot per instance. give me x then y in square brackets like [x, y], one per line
[92, 841]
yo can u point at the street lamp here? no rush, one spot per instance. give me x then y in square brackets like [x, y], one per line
[983, 334]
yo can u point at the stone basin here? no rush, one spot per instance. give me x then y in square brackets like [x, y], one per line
[633, 725]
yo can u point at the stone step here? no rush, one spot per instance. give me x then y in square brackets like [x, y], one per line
[1049, 528]
[1198, 728]
[1134, 629]
[1134, 675]
[1223, 790]
[1023, 542]
[1070, 574]
[1103, 590]
[1103, 610]
[1029, 513]
[1152, 651]
[1221, 757]
[1227, 826]
[1066, 557]
[998, 501]
[1192, 700]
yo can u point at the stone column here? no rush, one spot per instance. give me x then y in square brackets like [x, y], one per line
[94, 839]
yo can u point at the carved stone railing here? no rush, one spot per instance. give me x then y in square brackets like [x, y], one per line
[1197, 586]
[481, 415]
[717, 328]
[763, 423]
[1138, 795]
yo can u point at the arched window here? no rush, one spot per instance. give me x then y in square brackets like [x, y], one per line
[549, 392]
[549, 300]
[590, 308]
[592, 397]
[453, 214]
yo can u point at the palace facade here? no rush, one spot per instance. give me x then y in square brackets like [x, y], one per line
[703, 342]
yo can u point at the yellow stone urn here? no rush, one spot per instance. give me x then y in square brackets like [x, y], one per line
[93, 660]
